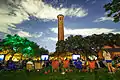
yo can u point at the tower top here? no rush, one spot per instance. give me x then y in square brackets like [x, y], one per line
[60, 15]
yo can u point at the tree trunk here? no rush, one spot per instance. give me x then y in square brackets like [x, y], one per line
[21, 57]
[4, 58]
[12, 56]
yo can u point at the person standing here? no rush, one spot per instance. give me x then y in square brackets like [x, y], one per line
[78, 64]
[98, 65]
[66, 65]
[37, 65]
[55, 65]
[20, 65]
[84, 65]
[71, 65]
[29, 65]
[108, 60]
[0, 65]
[91, 65]
[11, 64]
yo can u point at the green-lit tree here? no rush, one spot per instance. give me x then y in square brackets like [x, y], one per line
[17, 44]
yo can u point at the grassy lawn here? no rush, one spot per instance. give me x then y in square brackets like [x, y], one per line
[100, 74]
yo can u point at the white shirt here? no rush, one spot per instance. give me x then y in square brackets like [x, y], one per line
[107, 55]
[83, 62]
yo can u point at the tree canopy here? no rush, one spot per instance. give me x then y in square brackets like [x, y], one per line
[87, 45]
[114, 10]
[17, 44]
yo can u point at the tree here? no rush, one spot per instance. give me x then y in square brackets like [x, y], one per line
[114, 10]
[43, 51]
[70, 43]
[17, 44]
[89, 45]
[60, 46]
[117, 39]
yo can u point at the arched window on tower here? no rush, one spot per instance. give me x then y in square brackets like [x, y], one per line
[60, 18]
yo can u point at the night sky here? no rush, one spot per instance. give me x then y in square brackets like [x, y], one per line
[37, 19]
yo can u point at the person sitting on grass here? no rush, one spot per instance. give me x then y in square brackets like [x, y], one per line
[91, 64]
[108, 59]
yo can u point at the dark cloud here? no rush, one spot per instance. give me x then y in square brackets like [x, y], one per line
[8, 5]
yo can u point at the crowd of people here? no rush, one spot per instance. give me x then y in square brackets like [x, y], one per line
[63, 66]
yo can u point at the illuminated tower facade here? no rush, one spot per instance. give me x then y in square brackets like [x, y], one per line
[60, 27]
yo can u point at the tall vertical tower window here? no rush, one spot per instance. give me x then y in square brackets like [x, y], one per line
[60, 18]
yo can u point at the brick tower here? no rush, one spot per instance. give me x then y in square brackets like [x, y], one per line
[60, 27]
